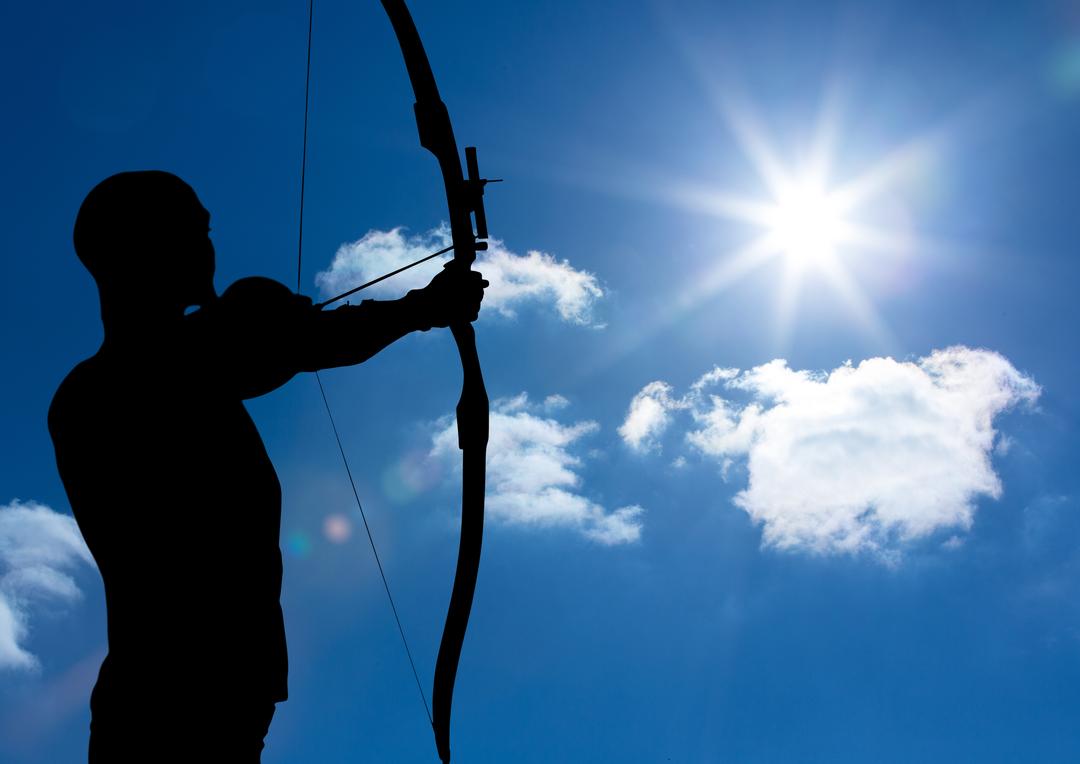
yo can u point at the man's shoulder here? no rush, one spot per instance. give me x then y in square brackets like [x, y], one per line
[256, 298]
[258, 287]
[252, 304]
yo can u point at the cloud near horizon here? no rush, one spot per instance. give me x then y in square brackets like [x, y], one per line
[515, 280]
[38, 549]
[865, 457]
[532, 474]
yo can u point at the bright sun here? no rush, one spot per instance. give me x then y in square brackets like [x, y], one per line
[813, 227]
[806, 223]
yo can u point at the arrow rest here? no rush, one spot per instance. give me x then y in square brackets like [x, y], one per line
[475, 191]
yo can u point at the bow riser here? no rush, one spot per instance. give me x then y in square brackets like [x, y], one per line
[464, 200]
[437, 136]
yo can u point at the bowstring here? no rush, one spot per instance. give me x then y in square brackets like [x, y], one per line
[322, 390]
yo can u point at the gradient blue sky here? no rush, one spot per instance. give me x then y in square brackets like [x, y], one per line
[711, 620]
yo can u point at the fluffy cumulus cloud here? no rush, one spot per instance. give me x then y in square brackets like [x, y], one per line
[865, 457]
[649, 416]
[39, 548]
[533, 475]
[516, 280]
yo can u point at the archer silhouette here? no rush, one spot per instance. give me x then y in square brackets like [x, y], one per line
[168, 478]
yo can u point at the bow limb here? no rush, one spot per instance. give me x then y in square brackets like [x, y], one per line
[464, 201]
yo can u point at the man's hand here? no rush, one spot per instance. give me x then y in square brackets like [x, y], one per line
[452, 297]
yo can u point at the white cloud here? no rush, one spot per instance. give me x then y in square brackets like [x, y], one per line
[38, 548]
[649, 416]
[555, 403]
[515, 280]
[864, 457]
[532, 474]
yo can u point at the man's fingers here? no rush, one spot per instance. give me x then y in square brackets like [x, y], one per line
[456, 294]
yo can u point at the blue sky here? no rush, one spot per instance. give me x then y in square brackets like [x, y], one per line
[748, 502]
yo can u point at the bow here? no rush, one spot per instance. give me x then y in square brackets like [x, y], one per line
[464, 197]
[465, 202]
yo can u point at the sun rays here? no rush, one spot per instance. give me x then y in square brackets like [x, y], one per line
[810, 225]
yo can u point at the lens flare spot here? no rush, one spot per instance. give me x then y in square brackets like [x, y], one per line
[337, 528]
[410, 476]
[298, 544]
[1065, 70]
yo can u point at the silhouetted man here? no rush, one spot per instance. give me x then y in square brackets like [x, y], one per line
[168, 478]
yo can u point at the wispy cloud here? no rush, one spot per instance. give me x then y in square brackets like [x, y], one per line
[516, 280]
[533, 475]
[38, 548]
[865, 457]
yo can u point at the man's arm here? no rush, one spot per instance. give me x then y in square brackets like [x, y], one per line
[353, 333]
[263, 334]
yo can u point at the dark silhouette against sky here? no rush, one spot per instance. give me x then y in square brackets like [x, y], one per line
[155, 447]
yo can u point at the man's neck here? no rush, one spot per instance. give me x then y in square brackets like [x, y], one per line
[129, 322]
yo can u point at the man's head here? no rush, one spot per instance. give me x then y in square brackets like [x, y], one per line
[146, 231]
